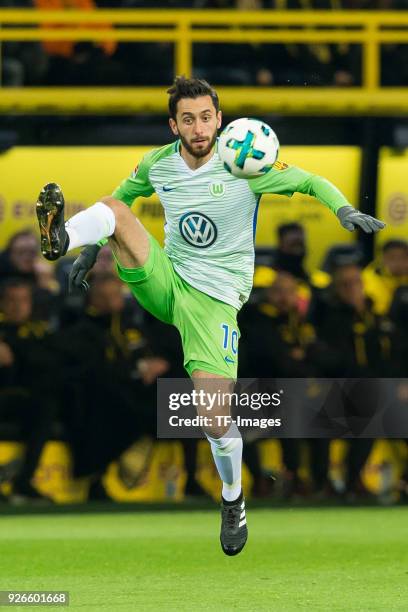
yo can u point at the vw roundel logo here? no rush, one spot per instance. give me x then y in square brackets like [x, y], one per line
[198, 229]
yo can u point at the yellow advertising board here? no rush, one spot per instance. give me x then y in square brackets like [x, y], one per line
[392, 199]
[88, 173]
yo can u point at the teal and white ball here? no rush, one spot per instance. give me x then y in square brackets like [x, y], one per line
[248, 147]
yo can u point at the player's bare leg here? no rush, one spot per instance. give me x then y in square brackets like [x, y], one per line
[226, 445]
[130, 240]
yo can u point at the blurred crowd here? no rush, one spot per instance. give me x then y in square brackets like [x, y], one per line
[110, 63]
[82, 367]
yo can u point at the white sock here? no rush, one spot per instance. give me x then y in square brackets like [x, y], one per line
[227, 453]
[90, 226]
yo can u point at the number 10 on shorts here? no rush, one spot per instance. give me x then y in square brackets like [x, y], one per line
[230, 339]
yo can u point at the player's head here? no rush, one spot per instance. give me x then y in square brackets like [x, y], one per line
[195, 114]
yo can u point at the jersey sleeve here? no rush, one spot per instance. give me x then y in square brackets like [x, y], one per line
[137, 184]
[286, 180]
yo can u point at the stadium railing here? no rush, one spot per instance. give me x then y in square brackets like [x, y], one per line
[183, 28]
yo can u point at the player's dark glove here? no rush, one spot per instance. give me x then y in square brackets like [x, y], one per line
[81, 267]
[350, 218]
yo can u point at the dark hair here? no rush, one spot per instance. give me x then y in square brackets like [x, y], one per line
[190, 88]
[395, 244]
[100, 278]
[339, 266]
[18, 235]
[285, 228]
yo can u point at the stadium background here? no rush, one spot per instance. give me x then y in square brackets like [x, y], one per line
[79, 113]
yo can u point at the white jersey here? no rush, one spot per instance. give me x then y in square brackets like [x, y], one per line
[211, 216]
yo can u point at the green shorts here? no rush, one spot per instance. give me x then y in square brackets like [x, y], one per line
[208, 327]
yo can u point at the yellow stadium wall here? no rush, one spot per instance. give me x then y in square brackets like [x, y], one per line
[87, 173]
[392, 199]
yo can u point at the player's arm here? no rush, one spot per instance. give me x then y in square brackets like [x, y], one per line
[287, 180]
[137, 184]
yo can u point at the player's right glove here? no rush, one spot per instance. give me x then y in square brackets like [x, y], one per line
[351, 219]
[81, 267]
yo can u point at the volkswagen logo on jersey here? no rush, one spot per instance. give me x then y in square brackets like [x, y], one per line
[198, 229]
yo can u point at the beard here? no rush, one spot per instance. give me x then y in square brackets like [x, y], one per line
[198, 153]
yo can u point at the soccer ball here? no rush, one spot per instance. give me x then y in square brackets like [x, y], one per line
[248, 147]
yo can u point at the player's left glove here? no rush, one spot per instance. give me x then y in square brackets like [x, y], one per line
[350, 218]
[81, 267]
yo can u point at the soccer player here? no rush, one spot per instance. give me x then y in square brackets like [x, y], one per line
[203, 276]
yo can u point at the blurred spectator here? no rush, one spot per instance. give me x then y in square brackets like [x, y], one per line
[166, 361]
[65, 48]
[352, 404]
[278, 342]
[88, 65]
[399, 309]
[318, 455]
[107, 63]
[16, 302]
[112, 356]
[21, 259]
[291, 250]
[394, 57]
[398, 314]
[19, 256]
[243, 5]
[102, 353]
[169, 4]
[222, 63]
[383, 276]
[289, 256]
[27, 396]
[359, 342]
[21, 63]
[307, 64]
[144, 63]
[238, 64]
[80, 63]
[105, 262]
[342, 254]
